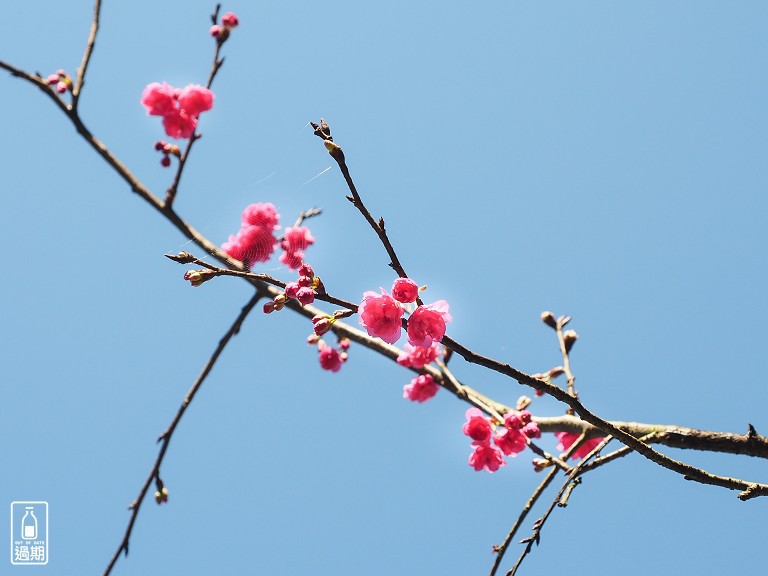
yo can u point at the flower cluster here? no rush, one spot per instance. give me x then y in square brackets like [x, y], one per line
[330, 358]
[255, 241]
[382, 317]
[61, 80]
[302, 290]
[179, 107]
[221, 32]
[512, 440]
[295, 240]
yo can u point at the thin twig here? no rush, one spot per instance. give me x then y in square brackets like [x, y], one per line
[80, 80]
[323, 131]
[535, 537]
[170, 195]
[502, 549]
[165, 437]
[561, 322]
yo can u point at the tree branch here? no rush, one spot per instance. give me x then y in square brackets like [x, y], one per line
[165, 437]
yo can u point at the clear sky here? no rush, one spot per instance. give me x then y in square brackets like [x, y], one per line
[600, 159]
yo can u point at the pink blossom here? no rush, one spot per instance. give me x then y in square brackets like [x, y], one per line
[305, 296]
[531, 430]
[381, 316]
[261, 214]
[511, 441]
[421, 388]
[252, 244]
[405, 290]
[216, 31]
[477, 426]
[292, 259]
[52, 79]
[230, 20]
[61, 87]
[427, 324]
[179, 124]
[306, 271]
[195, 99]
[159, 99]
[296, 238]
[486, 456]
[304, 281]
[291, 289]
[418, 357]
[330, 359]
[566, 439]
[322, 324]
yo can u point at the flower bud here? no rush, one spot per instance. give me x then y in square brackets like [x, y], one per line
[306, 270]
[557, 371]
[323, 325]
[313, 339]
[523, 402]
[540, 463]
[230, 20]
[549, 319]
[334, 150]
[281, 299]
[291, 289]
[305, 296]
[569, 338]
[197, 277]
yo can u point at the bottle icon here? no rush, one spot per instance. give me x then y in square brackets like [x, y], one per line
[29, 524]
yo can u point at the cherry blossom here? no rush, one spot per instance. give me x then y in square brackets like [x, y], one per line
[261, 214]
[427, 324]
[566, 439]
[179, 108]
[421, 388]
[418, 357]
[405, 290]
[330, 359]
[486, 456]
[251, 244]
[380, 315]
[477, 426]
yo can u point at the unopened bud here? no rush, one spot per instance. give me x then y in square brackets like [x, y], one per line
[557, 371]
[269, 307]
[334, 150]
[306, 270]
[549, 319]
[197, 277]
[540, 463]
[344, 344]
[313, 339]
[281, 299]
[523, 402]
[569, 338]
[322, 325]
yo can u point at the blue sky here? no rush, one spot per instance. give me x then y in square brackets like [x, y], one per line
[603, 160]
